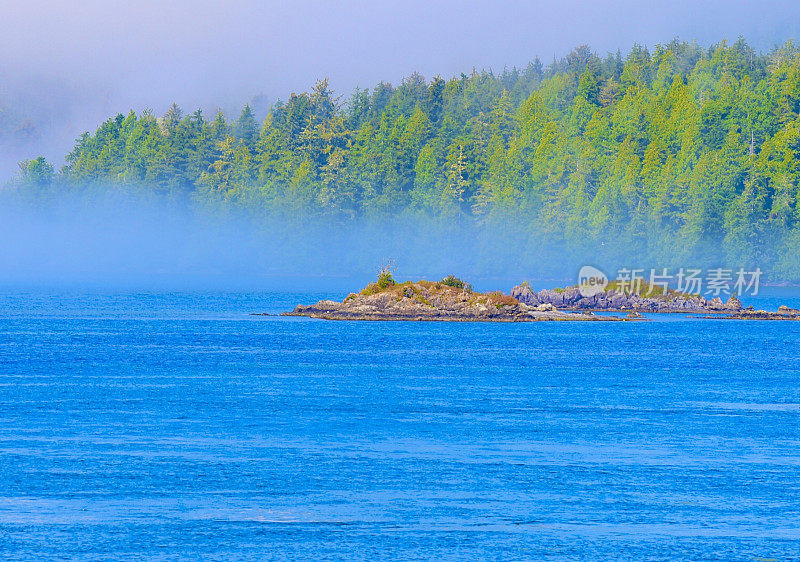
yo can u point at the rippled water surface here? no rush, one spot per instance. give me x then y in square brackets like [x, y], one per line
[177, 425]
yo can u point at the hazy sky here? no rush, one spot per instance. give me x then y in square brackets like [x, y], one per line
[99, 57]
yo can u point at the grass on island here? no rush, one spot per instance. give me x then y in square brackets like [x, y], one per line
[423, 290]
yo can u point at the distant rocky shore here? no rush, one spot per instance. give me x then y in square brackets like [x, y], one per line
[783, 313]
[613, 299]
[647, 299]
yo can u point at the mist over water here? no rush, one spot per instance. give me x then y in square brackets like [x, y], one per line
[119, 239]
[125, 239]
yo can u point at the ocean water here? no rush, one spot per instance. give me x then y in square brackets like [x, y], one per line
[176, 425]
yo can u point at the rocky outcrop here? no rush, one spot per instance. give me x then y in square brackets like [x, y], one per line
[435, 301]
[611, 300]
[783, 313]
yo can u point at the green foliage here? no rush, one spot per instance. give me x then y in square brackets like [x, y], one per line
[385, 279]
[671, 154]
[453, 281]
[37, 172]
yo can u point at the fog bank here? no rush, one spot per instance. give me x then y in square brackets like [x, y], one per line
[119, 240]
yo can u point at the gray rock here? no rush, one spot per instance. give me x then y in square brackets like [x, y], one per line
[571, 299]
[733, 304]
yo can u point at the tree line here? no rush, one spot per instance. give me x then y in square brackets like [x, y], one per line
[677, 154]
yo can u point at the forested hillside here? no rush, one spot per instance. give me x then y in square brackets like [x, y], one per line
[673, 154]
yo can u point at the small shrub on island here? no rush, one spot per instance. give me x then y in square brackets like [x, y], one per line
[453, 281]
[385, 279]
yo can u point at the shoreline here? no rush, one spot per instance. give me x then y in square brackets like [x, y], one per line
[532, 317]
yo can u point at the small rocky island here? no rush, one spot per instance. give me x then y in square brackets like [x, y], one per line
[447, 300]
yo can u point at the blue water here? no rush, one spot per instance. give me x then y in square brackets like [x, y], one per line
[176, 425]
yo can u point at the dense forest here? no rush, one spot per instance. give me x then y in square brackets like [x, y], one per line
[678, 155]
